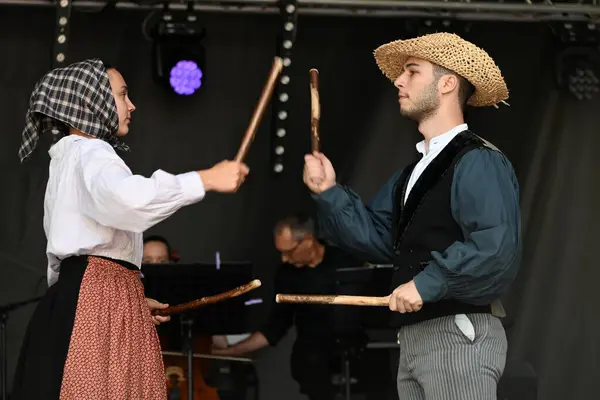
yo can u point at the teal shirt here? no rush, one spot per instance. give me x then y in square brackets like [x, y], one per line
[484, 203]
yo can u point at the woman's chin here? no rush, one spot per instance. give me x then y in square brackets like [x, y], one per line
[123, 131]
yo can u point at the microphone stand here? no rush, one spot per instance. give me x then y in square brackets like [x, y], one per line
[4, 311]
[187, 321]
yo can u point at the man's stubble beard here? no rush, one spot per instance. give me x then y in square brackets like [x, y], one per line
[425, 105]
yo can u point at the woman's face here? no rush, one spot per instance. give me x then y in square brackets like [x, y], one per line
[124, 105]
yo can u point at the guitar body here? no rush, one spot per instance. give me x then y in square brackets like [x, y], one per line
[176, 371]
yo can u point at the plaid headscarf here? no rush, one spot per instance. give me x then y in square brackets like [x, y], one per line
[77, 96]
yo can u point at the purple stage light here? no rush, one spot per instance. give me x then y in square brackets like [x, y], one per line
[186, 77]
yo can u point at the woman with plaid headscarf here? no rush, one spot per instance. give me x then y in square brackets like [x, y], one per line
[92, 335]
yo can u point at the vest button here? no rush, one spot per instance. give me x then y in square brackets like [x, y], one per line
[397, 252]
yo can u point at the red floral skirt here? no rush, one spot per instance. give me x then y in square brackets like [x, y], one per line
[91, 337]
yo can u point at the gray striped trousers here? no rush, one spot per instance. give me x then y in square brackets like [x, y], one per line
[439, 361]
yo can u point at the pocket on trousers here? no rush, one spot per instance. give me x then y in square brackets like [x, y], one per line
[464, 324]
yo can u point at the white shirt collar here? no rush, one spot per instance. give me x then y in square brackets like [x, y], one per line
[440, 141]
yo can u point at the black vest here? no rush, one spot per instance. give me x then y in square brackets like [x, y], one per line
[425, 223]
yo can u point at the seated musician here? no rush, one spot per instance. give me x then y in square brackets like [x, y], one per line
[157, 250]
[307, 268]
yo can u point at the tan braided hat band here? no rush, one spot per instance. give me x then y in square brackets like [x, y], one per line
[451, 52]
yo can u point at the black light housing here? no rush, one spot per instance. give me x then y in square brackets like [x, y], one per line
[179, 58]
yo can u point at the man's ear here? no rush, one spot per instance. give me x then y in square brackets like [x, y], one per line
[448, 83]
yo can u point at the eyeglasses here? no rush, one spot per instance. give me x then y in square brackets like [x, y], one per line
[290, 252]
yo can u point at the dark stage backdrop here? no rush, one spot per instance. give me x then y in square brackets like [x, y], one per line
[550, 138]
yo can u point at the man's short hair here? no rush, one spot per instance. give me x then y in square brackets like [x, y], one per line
[465, 88]
[300, 225]
[160, 239]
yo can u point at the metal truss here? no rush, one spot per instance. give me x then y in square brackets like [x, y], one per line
[61, 35]
[490, 10]
[280, 112]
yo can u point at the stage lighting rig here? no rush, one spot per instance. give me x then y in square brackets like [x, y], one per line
[288, 11]
[577, 63]
[179, 58]
[61, 42]
[577, 69]
[424, 26]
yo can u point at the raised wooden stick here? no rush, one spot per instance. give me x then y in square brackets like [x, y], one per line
[208, 356]
[209, 299]
[337, 300]
[260, 109]
[315, 109]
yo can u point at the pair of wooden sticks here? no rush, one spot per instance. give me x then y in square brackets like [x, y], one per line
[248, 138]
[266, 94]
[280, 298]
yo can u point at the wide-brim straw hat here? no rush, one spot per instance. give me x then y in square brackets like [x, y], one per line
[451, 52]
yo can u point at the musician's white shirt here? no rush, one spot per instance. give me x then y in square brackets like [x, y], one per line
[94, 205]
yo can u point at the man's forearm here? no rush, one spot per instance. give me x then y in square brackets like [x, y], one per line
[255, 342]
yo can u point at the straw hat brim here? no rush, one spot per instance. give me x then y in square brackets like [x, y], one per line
[451, 52]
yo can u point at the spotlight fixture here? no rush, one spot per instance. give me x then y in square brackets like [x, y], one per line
[576, 72]
[577, 59]
[185, 77]
[178, 55]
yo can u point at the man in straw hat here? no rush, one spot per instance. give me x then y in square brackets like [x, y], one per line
[449, 223]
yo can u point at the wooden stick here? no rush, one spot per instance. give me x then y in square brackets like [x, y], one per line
[337, 300]
[315, 109]
[260, 109]
[209, 299]
[209, 356]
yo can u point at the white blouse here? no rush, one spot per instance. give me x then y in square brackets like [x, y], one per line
[94, 205]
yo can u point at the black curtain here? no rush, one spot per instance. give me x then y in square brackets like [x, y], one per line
[549, 137]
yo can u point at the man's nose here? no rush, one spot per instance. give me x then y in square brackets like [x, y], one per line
[399, 82]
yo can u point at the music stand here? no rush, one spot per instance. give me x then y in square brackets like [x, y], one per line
[353, 321]
[180, 283]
